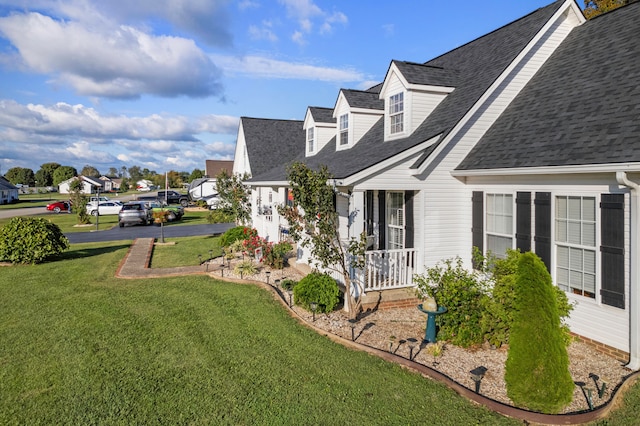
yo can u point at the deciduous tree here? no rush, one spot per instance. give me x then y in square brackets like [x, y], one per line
[90, 171]
[593, 8]
[313, 223]
[63, 173]
[234, 196]
[20, 175]
[44, 176]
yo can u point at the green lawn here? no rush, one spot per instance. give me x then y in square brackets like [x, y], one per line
[78, 346]
[185, 251]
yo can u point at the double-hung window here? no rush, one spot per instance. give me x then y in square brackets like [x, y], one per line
[310, 138]
[395, 220]
[396, 113]
[499, 224]
[344, 129]
[576, 245]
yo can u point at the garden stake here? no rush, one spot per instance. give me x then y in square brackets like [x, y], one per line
[600, 389]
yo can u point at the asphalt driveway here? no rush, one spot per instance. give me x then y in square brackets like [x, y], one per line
[133, 232]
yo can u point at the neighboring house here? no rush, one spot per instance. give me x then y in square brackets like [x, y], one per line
[89, 185]
[110, 183]
[527, 138]
[214, 167]
[8, 191]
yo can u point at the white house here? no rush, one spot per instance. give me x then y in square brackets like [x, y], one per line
[527, 138]
[89, 185]
[8, 191]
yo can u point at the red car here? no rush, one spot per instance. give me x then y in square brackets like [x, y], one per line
[59, 206]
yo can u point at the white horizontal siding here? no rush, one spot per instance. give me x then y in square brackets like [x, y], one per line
[421, 104]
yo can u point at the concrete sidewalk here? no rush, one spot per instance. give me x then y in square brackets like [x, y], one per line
[136, 263]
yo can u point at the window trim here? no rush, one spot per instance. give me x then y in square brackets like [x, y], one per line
[343, 133]
[396, 114]
[393, 228]
[489, 207]
[311, 139]
[567, 287]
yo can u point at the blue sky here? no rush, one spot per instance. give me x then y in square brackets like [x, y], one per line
[162, 83]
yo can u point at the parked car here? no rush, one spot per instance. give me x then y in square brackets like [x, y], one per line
[174, 197]
[105, 208]
[174, 212]
[59, 206]
[135, 212]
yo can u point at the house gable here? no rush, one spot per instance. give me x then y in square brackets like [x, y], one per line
[411, 92]
[320, 127]
[355, 112]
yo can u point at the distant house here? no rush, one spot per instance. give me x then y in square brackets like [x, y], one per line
[89, 185]
[111, 183]
[8, 191]
[214, 167]
[525, 138]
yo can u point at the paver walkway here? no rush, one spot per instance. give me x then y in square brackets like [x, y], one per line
[136, 263]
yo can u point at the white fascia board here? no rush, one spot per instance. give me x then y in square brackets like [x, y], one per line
[427, 88]
[496, 84]
[308, 120]
[362, 175]
[273, 183]
[551, 170]
[366, 111]
[393, 69]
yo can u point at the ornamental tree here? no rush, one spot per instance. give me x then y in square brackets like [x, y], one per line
[313, 223]
[234, 196]
[537, 369]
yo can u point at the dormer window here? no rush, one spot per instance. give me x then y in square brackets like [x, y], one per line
[310, 138]
[344, 129]
[396, 113]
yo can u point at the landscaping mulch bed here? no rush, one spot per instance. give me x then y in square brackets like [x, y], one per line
[401, 331]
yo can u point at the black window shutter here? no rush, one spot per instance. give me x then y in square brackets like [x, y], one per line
[523, 221]
[477, 222]
[408, 219]
[612, 249]
[543, 227]
[382, 225]
[369, 212]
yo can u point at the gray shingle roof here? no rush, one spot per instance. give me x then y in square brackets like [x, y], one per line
[272, 143]
[478, 64]
[361, 99]
[427, 75]
[322, 115]
[582, 107]
[6, 185]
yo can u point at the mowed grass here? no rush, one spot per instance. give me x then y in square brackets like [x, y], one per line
[185, 251]
[78, 346]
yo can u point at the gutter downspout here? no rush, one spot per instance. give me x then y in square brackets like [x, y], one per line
[634, 279]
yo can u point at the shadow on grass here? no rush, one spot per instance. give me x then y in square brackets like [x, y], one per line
[81, 253]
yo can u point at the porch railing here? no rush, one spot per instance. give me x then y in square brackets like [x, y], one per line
[389, 269]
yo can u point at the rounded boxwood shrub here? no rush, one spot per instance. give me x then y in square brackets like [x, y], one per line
[30, 240]
[319, 288]
[537, 368]
[238, 233]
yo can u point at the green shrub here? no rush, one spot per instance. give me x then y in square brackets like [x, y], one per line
[537, 368]
[499, 307]
[245, 268]
[319, 288]
[237, 233]
[219, 216]
[460, 291]
[30, 240]
[276, 255]
[288, 284]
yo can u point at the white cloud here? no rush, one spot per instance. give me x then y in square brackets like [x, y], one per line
[306, 13]
[263, 32]
[118, 62]
[262, 67]
[66, 120]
